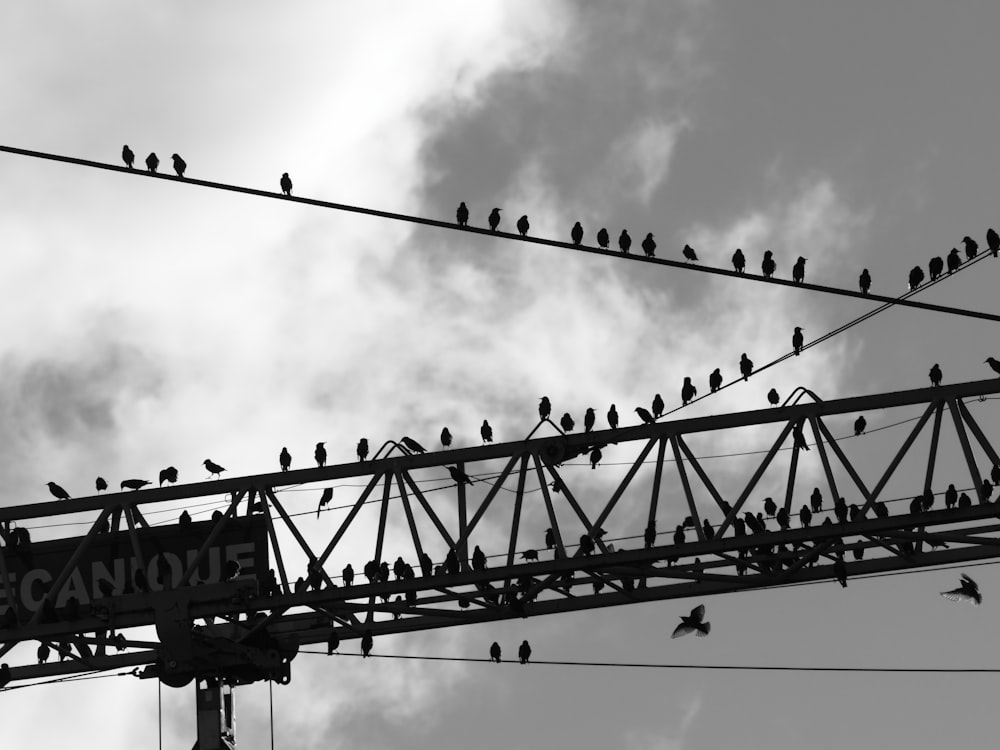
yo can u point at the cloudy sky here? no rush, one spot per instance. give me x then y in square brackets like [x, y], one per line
[148, 323]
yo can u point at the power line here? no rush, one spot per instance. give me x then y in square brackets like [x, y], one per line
[504, 235]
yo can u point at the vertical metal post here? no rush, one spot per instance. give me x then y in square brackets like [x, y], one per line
[214, 707]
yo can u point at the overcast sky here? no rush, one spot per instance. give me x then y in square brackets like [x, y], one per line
[148, 323]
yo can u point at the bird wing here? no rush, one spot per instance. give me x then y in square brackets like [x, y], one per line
[703, 630]
[957, 595]
[970, 581]
[698, 613]
[682, 629]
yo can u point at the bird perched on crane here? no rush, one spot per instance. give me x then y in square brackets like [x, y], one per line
[658, 406]
[494, 219]
[213, 468]
[459, 476]
[993, 241]
[446, 437]
[152, 162]
[613, 417]
[285, 459]
[486, 432]
[576, 233]
[773, 398]
[324, 499]
[168, 474]
[954, 261]
[689, 254]
[693, 623]
[567, 422]
[524, 652]
[688, 391]
[462, 214]
[544, 408]
[649, 245]
[286, 183]
[412, 444]
[935, 375]
[180, 166]
[57, 492]
[739, 261]
[644, 415]
[715, 380]
[935, 267]
[101, 484]
[993, 363]
[859, 425]
[589, 419]
[797, 340]
[746, 366]
[624, 241]
[768, 266]
[495, 652]
[127, 156]
[799, 270]
[967, 591]
[916, 277]
[971, 247]
[362, 449]
[134, 484]
[523, 225]
[865, 281]
[603, 240]
[320, 454]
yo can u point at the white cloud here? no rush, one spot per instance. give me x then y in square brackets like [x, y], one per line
[640, 160]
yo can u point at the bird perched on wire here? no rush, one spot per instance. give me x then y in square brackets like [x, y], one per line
[689, 253]
[649, 245]
[688, 391]
[993, 241]
[768, 266]
[859, 425]
[179, 164]
[589, 419]
[152, 162]
[797, 340]
[134, 484]
[693, 623]
[523, 225]
[799, 270]
[459, 476]
[644, 415]
[544, 408]
[770, 507]
[595, 456]
[602, 238]
[213, 468]
[286, 183]
[968, 591]
[658, 406]
[462, 214]
[487, 432]
[367, 642]
[101, 484]
[567, 423]
[746, 366]
[324, 499]
[865, 281]
[715, 380]
[613, 417]
[495, 652]
[168, 474]
[971, 247]
[57, 492]
[954, 261]
[285, 459]
[412, 444]
[576, 233]
[773, 398]
[935, 267]
[916, 277]
[624, 241]
[320, 454]
[494, 219]
[446, 437]
[739, 261]
[935, 375]
[524, 652]
[993, 363]
[127, 156]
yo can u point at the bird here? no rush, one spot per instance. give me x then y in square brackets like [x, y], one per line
[770, 507]
[320, 454]
[936, 267]
[746, 366]
[413, 445]
[613, 417]
[715, 380]
[768, 266]
[179, 164]
[772, 397]
[550, 539]
[624, 241]
[739, 261]
[213, 468]
[286, 183]
[805, 516]
[707, 528]
[589, 418]
[916, 277]
[689, 253]
[993, 241]
[799, 270]
[576, 233]
[494, 219]
[478, 559]
[152, 162]
[184, 520]
[523, 225]
[524, 652]
[644, 415]
[366, 644]
[859, 425]
[459, 476]
[797, 339]
[950, 497]
[168, 474]
[101, 484]
[57, 492]
[567, 422]
[935, 375]
[602, 238]
[693, 623]
[462, 214]
[954, 261]
[783, 520]
[495, 652]
[127, 156]
[649, 245]
[840, 571]
[43, 652]
[446, 437]
[362, 449]
[595, 457]
[967, 591]
[134, 484]
[658, 406]
[994, 364]
[971, 247]
[324, 499]
[865, 281]
[688, 391]
[285, 459]
[816, 500]
[487, 432]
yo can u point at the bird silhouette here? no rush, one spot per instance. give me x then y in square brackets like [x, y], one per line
[816, 500]
[783, 520]
[739, 261]
[840, 572]
[624, 241]
[613, 417]
[487, 432]
[152, 162]
[916, 277]
[127, 156]
[320, 454]
[644, 415]
[134, 484]
[797, 340]
[688, 391]
[494, 219]
[589, 419]
[935, 375]
[57, 492]
[478, 559]
[495, 652]
[964, 501]
[550, 539]
[715, 380]
[168, 474]
[746, 366]
[768, 266]
[954, 260]
[950, 497]
[286, 183]
[101, 484]
[576, 233]
[285, 459]
[602, 238]
[799, 438]
[213, 468]
[462, 214]
[859, 425]
[324, 499]
[523, 225]
[689, 253]
[865, 281]
[367, 643]
[567, 422]
[679, 534]
[693, 623]
[649, 245]
[459, 476]
[362, 449]
[971, 247]
[413, 445]
[179, 165]
[524, 652]
[769, 507]
[994, 364]
[544, 408]
[183, 520]
[773, 398]
[446, 437]
[799, 270]
[936, 267]
[967, 591]
[993, 241]
[805, 516]
[595, 457]
[658, 406]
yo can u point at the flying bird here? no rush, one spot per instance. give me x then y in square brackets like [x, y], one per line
[576, 233]
[865, 281]
[993, 241]
[935, 375]
[567, 422]
[658, 406]
[524, 652]
[495, 652]
[613, 417]
[412, 444]
[487, 432]
[168, 474]
[459, 476]
[954, 261]
[799, 270]
[589, 418]
[768, 266]
[936, 267]
[462, 214]
[859, 425]
[362, 449]
[797, 340]
[968, 591]
[773, 398]
[213, 468]
[693, 623]
[689, 253]
[494, 219]
[57, 492]
[446, 437]
[916, 277]
[101, 484]
[715, 380]
[324, 499]
[523, 225]
[127, 156]
[649, 245]
[134, 484]
[179, 164]
[286, 183]
[602, 238]
[624, 241]
[688, 391]
[746, 366]
[994, 364]
[644, 415]
[971, 247]
[285, 459]
[320, 454]
[152, 162]
[739, 261]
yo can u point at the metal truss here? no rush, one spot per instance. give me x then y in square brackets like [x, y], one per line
[688, 534]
